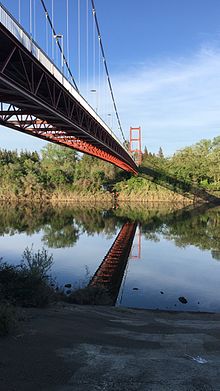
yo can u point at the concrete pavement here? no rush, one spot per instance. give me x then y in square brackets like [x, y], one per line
[81, 348]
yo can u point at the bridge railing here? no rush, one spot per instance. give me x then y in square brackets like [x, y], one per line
[27, 41]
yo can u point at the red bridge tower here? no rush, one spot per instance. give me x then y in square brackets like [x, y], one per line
[135, 144]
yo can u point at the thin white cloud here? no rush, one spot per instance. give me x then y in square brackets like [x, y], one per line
[175, 101]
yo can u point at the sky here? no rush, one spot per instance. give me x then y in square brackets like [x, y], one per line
[164, 62]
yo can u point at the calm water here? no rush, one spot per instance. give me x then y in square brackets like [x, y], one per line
[175, 253]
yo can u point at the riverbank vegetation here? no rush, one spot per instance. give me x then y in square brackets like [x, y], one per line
[59, 173]
[25, 285]
[29, 284]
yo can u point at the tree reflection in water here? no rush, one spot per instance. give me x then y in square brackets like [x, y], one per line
[62, 225]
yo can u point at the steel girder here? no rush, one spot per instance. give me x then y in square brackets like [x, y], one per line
[34, 96]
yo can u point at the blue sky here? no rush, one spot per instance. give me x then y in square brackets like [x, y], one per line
[164, 61]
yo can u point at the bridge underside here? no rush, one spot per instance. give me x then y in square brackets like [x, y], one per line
[34, 102]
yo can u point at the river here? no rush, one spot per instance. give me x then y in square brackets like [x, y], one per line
[174, 262]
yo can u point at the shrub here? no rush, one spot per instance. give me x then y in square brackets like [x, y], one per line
[37, 264]
[27, 284]
[90, 295]
[7, 318]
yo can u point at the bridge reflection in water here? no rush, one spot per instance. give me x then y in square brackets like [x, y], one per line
[110, 273]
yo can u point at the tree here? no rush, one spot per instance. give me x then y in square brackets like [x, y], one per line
[59, 163]
[145, 154]
[160, 153]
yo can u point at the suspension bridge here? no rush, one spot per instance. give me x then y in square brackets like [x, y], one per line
[38, 92]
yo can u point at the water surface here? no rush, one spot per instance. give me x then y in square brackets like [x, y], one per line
[175, 253]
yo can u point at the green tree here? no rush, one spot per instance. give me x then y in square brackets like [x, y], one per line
[160, 153]
[59, 164]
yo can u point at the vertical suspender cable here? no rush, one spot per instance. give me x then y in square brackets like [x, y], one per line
[56, 53]
[87, 47]
[67, 32]
[52, 6]
[19, 11]
[34, 20]
[79, 41]
[105, 91]
[46, 30]
[99, 85]
[93, 50]
[30, 18]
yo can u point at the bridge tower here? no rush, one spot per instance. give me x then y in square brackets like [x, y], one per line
[135, 144]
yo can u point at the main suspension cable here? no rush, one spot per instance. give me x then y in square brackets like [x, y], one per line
[106, 68]
[58, 44]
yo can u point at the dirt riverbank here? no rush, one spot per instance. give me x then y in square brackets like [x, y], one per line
[81, 348]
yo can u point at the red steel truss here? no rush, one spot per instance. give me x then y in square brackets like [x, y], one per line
[27, 123]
